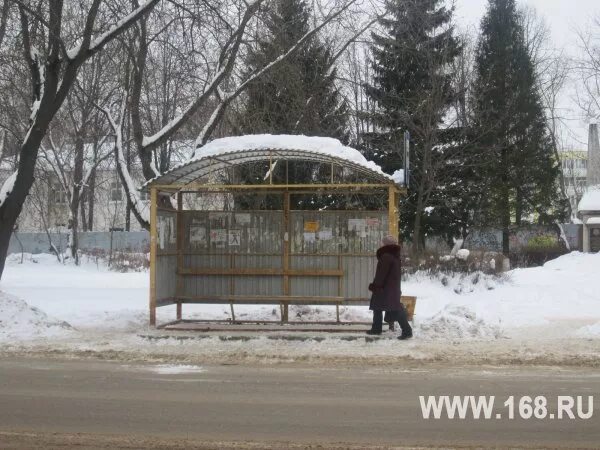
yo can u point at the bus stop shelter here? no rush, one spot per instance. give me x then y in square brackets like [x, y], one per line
[267, 219]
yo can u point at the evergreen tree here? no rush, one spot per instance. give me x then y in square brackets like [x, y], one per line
[299, 96]
[521, 172]
[412, 90]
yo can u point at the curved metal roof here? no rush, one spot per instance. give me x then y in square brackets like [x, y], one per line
[200, 167]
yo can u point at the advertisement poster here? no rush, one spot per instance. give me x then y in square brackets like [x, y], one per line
[218, 235]
[325, 234]
[235, 238]
[242, 219]
[357, 225]
[198, 234]
[311, 227]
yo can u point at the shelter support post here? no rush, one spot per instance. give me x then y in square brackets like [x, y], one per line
[179, 239]
[286, 253]
[153, 243]
[232, 312]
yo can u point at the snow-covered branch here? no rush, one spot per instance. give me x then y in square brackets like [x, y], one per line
[7, 187]
[226, 62]
[139, 209]
[122, 25]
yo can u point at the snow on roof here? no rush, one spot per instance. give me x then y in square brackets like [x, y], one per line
[398, 176]
[590, 200]
[264, 142]
[593, 221]
[328, 146]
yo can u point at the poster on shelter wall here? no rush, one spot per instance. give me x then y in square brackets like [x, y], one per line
[218, 235]
[172, 231]
[166, 232]
[373, 222]
[310, 237]
[198, 234]
[218, 218]
[235, 238]
[325, 234]
[357, 225]
[311, 227]
[242, 219]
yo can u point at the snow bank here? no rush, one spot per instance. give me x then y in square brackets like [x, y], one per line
[19, 321]
[590, 331]
[457, 322]
[563, 294]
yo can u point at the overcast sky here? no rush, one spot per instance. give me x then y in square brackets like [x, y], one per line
[564, 18]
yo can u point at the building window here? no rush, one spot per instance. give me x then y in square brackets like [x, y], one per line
[60, 196]
[116, 195]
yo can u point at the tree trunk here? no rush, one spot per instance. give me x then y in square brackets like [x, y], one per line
[91, 193]
[12, 206]
[418, 218]
[519, 207]
[75, 198]
[84, 224]
[505, 203]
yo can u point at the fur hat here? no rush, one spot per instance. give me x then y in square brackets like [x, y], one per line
[389, 240]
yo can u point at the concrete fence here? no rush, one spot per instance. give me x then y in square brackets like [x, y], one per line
[134, 241]
[490, 239]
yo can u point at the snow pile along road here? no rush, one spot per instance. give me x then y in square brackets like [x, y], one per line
[457, 322]
[19, 321]
[590, 331]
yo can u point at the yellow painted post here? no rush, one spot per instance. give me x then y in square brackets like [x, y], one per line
[153, 239]
[179, 240]
[286, 253]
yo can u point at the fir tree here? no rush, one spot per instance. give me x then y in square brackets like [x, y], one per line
[299, 96]
[412, 90]
[521, 172]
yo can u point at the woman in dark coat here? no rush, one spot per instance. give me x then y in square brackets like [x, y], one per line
[386, 289]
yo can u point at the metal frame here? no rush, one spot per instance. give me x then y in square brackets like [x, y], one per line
[393, 192]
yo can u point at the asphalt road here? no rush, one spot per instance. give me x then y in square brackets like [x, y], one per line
[107, 404]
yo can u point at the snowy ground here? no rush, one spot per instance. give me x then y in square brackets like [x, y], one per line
[546, 315]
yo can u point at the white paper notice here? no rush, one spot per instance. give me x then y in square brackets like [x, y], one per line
[357, 224]
[310, 237]
[242, 219]
[197, 234]
[325, 234]
[173, 232]
[218, 235]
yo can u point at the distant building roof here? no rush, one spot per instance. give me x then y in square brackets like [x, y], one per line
[590, 200]
[573, 154]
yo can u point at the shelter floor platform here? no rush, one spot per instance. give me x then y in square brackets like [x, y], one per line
[308, 327]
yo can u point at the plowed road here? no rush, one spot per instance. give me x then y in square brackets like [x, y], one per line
[54, 403]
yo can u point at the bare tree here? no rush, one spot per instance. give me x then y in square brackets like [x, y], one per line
[53, 70]
[552, 69]
[222, 84]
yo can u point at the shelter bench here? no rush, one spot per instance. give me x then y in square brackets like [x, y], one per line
[409, 303]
